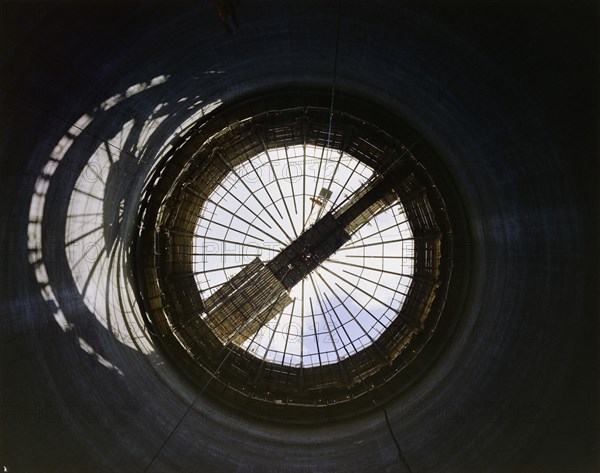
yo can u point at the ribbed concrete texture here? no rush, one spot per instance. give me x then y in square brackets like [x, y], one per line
[92, 93]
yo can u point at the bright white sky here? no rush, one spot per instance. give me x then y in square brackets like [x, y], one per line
[346, 303]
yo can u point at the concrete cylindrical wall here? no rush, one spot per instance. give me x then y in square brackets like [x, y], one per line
[506, 95]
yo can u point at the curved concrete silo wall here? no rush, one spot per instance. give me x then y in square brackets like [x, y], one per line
[506, 94]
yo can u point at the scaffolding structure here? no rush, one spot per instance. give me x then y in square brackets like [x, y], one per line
[209, 326]
[245, 303]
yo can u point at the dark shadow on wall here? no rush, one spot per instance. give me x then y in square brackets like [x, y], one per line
[77, 320]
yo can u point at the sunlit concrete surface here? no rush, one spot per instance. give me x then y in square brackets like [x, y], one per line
[92, 95]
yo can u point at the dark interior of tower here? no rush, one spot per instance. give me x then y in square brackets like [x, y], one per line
[304, 237]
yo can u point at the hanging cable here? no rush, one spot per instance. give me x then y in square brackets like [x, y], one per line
[212, 376]
[400, 454]
[327, 152]
[334, 78]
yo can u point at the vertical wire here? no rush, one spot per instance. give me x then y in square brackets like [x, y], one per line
[212, 376]
[389, 426]
[334, 79]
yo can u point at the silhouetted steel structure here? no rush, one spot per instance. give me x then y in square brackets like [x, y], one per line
[504, 99]
[213, 328]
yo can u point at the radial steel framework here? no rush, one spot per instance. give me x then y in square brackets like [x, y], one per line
[297, 287]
